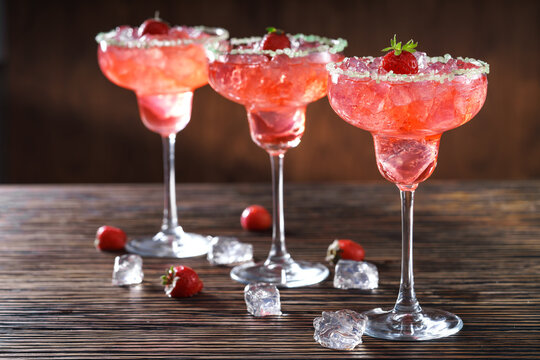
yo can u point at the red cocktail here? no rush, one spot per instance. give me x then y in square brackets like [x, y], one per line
[407, 111]
[163, 65]
[275, 83]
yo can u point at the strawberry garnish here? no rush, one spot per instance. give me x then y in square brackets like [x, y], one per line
[181, 281]
[275, 39]
[154, 26]
[255, 218]
[344, 249]
[110, 238]
[400, 59]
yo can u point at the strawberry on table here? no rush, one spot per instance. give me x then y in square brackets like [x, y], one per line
[181, 281]
[255, 218]
[344, 249]
[275, 39]
[110, 238]
[400, 59]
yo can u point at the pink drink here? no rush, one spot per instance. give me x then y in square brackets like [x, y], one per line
[274, 89]
[275, 77]
[407, 114]
[163, 65]
[163, 70]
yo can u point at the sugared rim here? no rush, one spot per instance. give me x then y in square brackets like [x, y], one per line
[332, 46]
[482, 68]
[110, 39]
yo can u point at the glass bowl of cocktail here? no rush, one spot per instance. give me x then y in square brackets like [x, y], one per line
[163, 65]
[275, 77]
[407, 100]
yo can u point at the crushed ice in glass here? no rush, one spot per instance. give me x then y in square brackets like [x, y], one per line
[438, 69]
[246, 59]
[262, 299]
[405, 160]
[350, 274]
[355, 64]
[421, 59]
[375, 65]
[127, 270]
[340, 330]
[229, 251]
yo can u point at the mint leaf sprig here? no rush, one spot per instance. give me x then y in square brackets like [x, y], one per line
[398, 48]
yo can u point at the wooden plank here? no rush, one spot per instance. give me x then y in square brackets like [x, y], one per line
[476, 254]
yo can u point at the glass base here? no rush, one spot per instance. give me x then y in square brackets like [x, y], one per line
[290, 274]
[427, 324]
[177, 244]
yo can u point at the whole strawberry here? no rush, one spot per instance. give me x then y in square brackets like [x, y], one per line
[154, 26]
[255, 218]
[344, 249]
[275, 39]
[110, 238]
[400, 59]
[181, 281]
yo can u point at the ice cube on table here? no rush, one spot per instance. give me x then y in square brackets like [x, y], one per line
[350, 274]
[229, 251]
[127, 270]
[262, 299]
[340, 330]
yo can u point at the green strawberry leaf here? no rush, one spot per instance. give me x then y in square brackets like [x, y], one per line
[271, 30]
[398, 48]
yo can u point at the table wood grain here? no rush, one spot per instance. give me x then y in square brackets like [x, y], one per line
[477, 254]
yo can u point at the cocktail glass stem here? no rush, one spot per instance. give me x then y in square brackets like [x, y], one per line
[406, 301]
[279, 268]
[171, 241]
[170, 216]
[278, 252]
[407, 320]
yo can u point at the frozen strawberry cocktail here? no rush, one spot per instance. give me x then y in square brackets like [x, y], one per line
[407, 113]
[407, 99]
[275, 77]
[163, 65]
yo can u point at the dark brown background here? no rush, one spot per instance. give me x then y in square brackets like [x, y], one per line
[63, 121]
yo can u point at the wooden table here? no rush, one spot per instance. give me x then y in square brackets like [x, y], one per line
[477, 254]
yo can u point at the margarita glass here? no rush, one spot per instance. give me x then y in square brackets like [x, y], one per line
[275, 87]
[163, 70]
[407, 114]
